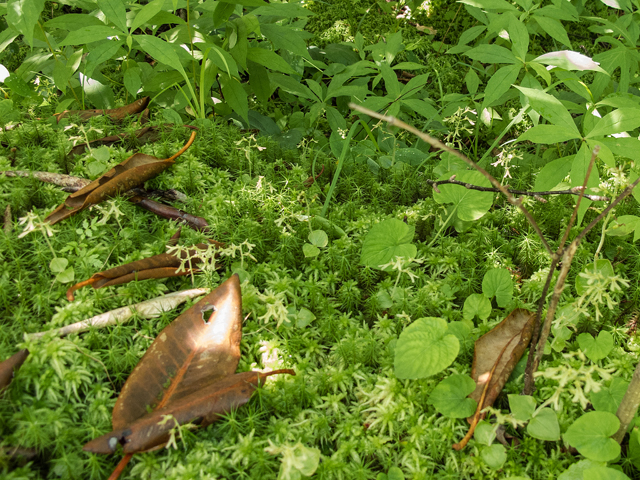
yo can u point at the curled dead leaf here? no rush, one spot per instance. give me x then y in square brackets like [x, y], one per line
[116, 114]
[129, 174]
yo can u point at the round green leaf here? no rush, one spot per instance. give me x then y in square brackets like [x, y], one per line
[389, 239]
[58, 265]
[522, 407]
[319, 238]
[608, 399]
[66, 276]
[544, 426]
[601, 267]
[425, 348]
[310, 250]
[476, 304]
[485, 433]
[604, 473]
[101, 154]
[470, 204]
[596, 348]
[494, 456]
[590, 435]
[498, 282]
[450, 397]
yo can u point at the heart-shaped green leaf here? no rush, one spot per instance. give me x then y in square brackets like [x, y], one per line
[450, 397]
[387, 240]
[596, 348]
[591, 436]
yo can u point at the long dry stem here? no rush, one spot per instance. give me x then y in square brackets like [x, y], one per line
[434, 142]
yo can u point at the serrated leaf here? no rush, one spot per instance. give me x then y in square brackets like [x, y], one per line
[450, 397]
[425, 348]
[387, 240]
[591, 436]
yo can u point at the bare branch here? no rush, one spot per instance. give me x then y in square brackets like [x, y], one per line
[434, 142]
[573, 191]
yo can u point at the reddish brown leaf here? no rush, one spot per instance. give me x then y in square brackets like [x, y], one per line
[159, 266]
[172, 213]
[114, 113]
[203, 407]
[10, 366]
[501, 348]
[129, 174]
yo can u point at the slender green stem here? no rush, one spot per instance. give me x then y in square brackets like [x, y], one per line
[444, 225]
[336, 175]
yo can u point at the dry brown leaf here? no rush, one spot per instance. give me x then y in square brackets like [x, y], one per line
[510, 336]
[129, 174]
[9, 367]
[114, 113]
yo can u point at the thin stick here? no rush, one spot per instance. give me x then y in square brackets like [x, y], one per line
[147, 309]
[120, 467]
[573, 191]
[434, 142]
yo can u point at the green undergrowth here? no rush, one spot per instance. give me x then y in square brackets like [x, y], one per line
[345, 399]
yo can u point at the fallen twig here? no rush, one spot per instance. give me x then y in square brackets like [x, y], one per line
[7, 219]
[573, 191]
[148, 309]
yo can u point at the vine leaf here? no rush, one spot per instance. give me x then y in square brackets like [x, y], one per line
[131, 173]
[10, 366]
[116, 114]
[501, 347]
[195, 358]
[158, 266]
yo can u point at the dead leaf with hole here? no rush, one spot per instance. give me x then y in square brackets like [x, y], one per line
[158, 266]
[188, 374]
[129, 174]
[10, 366]
[116, 114]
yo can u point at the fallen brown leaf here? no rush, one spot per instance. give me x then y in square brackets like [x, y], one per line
[9, 367]
[129, 174]
[116, 114]
[510, 336]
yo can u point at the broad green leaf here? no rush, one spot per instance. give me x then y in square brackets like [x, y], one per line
[287, 10]
[544, 426]
[485, 433]
[235, 95]
[550, 108]
[246, 3]
[491, 54]
[596, 348]
[91, 34]
[472, 80]
[494, 456]
[618, 121]
[604, 473]
[100, 54]
[554, 29]
[171, 116]
[161, 51]
[470, 204]
[259, 81]
[499, 83]
[498, 282]
[519, 37]
[286, 39]
[23, 16]
[549, 134]
[222, 12]
[500, 5]
[132, 81]
[115, 12]
[425, 348]
[19, 86]
[476, 304]
[66, 276]
[576, 470]
[291, 85]
[608, 399]
[145, 14]
[569, 60]
[625, 147]
[100, 95]
[223, 60]
[7, 36]
[522, 407]
[387, 240]
[269, 59]
[310, 250]
[605, 154]
[450, 397]
[391, 83]
[624, 225]
[422, 108]
[591, 436]
[553, 173]
[578, 175]
[58, 264]
[319, 238]
[73, 21]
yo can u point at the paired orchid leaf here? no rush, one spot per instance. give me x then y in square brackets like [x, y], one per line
[9, 367]
[116, 114]
[163, 265]
[188, 373]
[129, 174]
